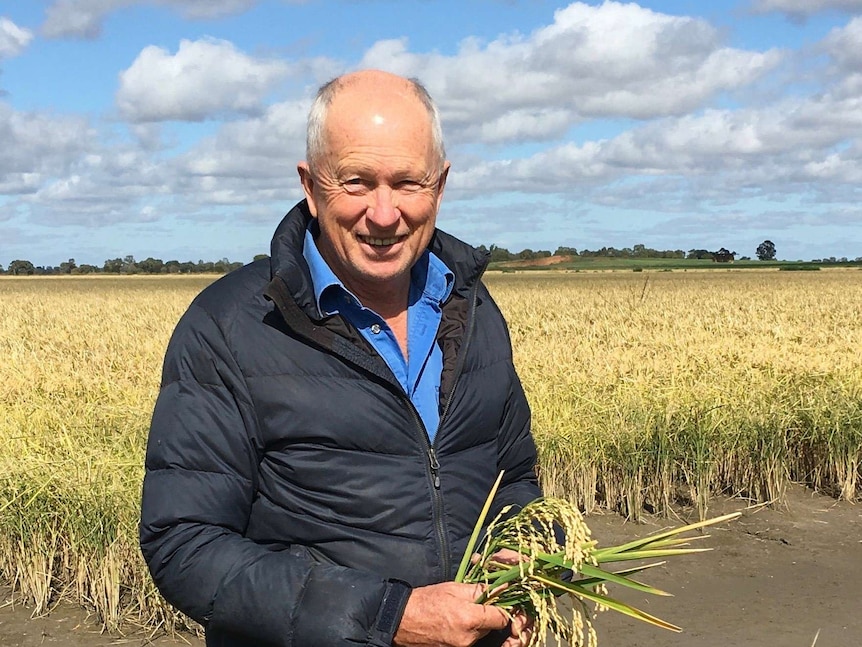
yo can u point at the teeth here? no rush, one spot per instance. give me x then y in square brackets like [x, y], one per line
[381, 242]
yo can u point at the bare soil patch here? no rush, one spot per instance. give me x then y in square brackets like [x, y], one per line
[776, 578]
[67, 625]
[536, 262]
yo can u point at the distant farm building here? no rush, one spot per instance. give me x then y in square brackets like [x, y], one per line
[723, 256]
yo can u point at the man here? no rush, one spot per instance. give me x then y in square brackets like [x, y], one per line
[332, 419]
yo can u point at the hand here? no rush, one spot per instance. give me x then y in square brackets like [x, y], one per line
[506, 556]
[502, 556]
[446, 615]
[521, 631]
[521, 627]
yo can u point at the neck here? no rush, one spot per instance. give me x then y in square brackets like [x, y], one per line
[388, 300]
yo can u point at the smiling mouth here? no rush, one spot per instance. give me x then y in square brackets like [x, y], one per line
[381, 242]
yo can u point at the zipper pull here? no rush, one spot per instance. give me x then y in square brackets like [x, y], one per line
[435, 467]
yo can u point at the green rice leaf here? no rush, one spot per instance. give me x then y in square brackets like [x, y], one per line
[610, 603]
[595, 572]
[647, 554]
[477, 529]
[651, 539]
[592, 581]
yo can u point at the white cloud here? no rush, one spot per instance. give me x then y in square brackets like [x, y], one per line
[801, 8]
[13, 39]
[60, 170]
[209, 8]
[12, 183]
[844, 45]
[204, 79]
[278, 134]
[79, 18]
[724, 155]
[611, 60]
[37, 146]
[104, 187]
[525, 124]
[246, 163]
[83, 18]
[251, 162]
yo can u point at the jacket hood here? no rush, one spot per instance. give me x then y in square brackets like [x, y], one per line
[288, 263]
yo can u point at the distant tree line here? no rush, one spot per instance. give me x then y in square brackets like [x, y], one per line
[125, 265]
[128, 265]
[765, 252]
[501, 254]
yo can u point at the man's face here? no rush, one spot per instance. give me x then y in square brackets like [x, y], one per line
[377, 189]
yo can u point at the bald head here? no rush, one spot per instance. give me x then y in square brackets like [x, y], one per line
[367, 94]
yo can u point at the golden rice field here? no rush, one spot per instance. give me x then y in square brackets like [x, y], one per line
[648, 390]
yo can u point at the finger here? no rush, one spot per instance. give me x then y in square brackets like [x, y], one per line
[522, 628]
[494, 618]
[524, 640]
[484, 593]
[520, 619]
[490, 594]
[508, 556]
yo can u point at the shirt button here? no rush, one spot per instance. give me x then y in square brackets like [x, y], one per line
[375, 329]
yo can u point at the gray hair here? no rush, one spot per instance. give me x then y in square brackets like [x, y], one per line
[314, 138]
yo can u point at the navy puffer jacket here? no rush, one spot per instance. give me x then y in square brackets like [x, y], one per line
[291, 495]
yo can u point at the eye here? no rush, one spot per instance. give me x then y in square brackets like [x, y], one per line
[408, 186]
[354, 185]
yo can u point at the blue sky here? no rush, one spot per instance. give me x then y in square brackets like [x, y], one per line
[172, 128]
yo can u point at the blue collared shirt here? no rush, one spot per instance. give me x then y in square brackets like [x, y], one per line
[430, 285]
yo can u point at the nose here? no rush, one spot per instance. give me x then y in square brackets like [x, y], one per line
[383, 208]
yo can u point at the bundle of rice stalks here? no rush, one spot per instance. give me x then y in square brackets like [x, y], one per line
[559, 561]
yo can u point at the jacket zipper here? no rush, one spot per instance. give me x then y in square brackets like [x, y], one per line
[433, 463]
[435, 467]
[432, 466]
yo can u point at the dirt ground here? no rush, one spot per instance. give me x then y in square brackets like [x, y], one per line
[776, 577]
[784, 577]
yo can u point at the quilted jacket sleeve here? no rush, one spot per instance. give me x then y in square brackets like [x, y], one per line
[201, 470]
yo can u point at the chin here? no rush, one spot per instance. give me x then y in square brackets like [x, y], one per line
[391, 272]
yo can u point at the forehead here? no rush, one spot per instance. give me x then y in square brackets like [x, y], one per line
[388, 121]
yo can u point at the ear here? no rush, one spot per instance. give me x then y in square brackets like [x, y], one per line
[307, 181]
[441, 183]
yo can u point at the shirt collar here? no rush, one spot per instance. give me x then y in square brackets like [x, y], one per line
[432, 278]
[429, 277]
[322, 277]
